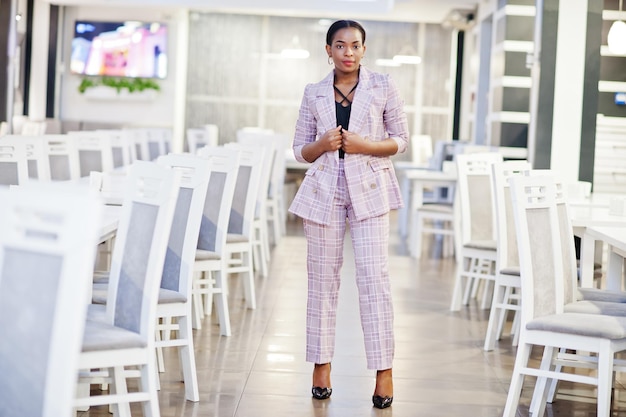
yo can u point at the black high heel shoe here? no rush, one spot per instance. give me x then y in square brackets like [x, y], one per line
[321, 393]
[381, 402]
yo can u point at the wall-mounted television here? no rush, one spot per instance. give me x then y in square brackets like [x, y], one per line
[119, 49]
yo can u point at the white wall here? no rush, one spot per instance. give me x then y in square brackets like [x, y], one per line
[74, 106]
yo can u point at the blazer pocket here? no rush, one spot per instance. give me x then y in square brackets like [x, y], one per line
[378, 164]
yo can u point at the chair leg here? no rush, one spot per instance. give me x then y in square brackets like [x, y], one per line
[151, 407]
[196, 306]
[118, 387]
[248, 281]
[554, 383]
[188, 359]
[605, 380]
[517, 380]
[457, 292]
[221, 304]
[159, 350]
[542, 384]
[493, 328]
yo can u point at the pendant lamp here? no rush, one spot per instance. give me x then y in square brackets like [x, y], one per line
[617, 35]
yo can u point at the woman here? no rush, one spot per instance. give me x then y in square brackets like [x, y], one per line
[348, 126]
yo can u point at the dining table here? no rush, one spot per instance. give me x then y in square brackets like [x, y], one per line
[413, 184]
[615, 239]
[591, 223]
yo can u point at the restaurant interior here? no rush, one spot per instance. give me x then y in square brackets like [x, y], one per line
[149, 263]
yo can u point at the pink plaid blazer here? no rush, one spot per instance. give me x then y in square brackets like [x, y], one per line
[377, 113]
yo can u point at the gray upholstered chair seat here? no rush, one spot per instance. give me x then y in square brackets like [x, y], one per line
[592, 325]
[96, 312]
[99, 293]
[482, 244]
[169, 296]
[235, 238]
[513, 270]
[101, 277]
[436, 208]
[596, 307]
[205, 255]
[103, 336]
[595, 294]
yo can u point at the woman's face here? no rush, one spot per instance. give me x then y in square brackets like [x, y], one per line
[347, 49]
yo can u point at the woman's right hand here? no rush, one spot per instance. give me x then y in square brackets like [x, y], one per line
[331, 140]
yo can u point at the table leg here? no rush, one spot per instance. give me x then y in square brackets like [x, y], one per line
[614, 270]
[587, 255]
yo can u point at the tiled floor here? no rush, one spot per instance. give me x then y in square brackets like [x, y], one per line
[440, 368]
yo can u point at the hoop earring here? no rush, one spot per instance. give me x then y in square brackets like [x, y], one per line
[330, 60]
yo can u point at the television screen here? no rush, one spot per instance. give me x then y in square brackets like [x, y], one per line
[121, 49]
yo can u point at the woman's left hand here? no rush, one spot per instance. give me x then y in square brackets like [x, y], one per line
[353, 143]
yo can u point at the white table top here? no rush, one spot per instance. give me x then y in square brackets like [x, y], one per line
[614, 236]
[593, 216]
[110, 220]
[595, 200]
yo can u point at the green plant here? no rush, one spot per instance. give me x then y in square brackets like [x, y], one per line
[130, 84]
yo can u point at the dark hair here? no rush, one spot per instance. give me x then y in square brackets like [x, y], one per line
[342, 24]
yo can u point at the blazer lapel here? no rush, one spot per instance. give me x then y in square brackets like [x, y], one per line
[325, 103]
[363, 96]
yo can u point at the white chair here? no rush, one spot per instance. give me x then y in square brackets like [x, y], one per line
[210, 264]
[176, 283]
[95, 151]
[159, 141]
[544, 322]
[213, 132]
[33, 128]
[202, 136]
[13, 163]
[36, 155]
[47, 249]
[62, 157]
[507, 279]
[196, 138]
[266, 146]
[139, 138]
[124, 335]
[476, 246]
[238, 249]
[120, 147]
[434, 213]
[276, 200]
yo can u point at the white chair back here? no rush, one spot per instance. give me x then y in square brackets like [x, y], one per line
[181, 253]
[62, 157]
[474, 196]
[507, 257]
[219, 197]
[140, 247]
[47, 251]
[539, 242]
[246, 190]
[95, 152]
[13, 163]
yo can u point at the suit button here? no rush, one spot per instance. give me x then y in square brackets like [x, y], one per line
[372, 186]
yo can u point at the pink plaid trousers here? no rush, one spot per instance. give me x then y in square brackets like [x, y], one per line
[370, 240]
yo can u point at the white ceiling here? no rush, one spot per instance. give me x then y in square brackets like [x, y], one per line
[433, 11]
